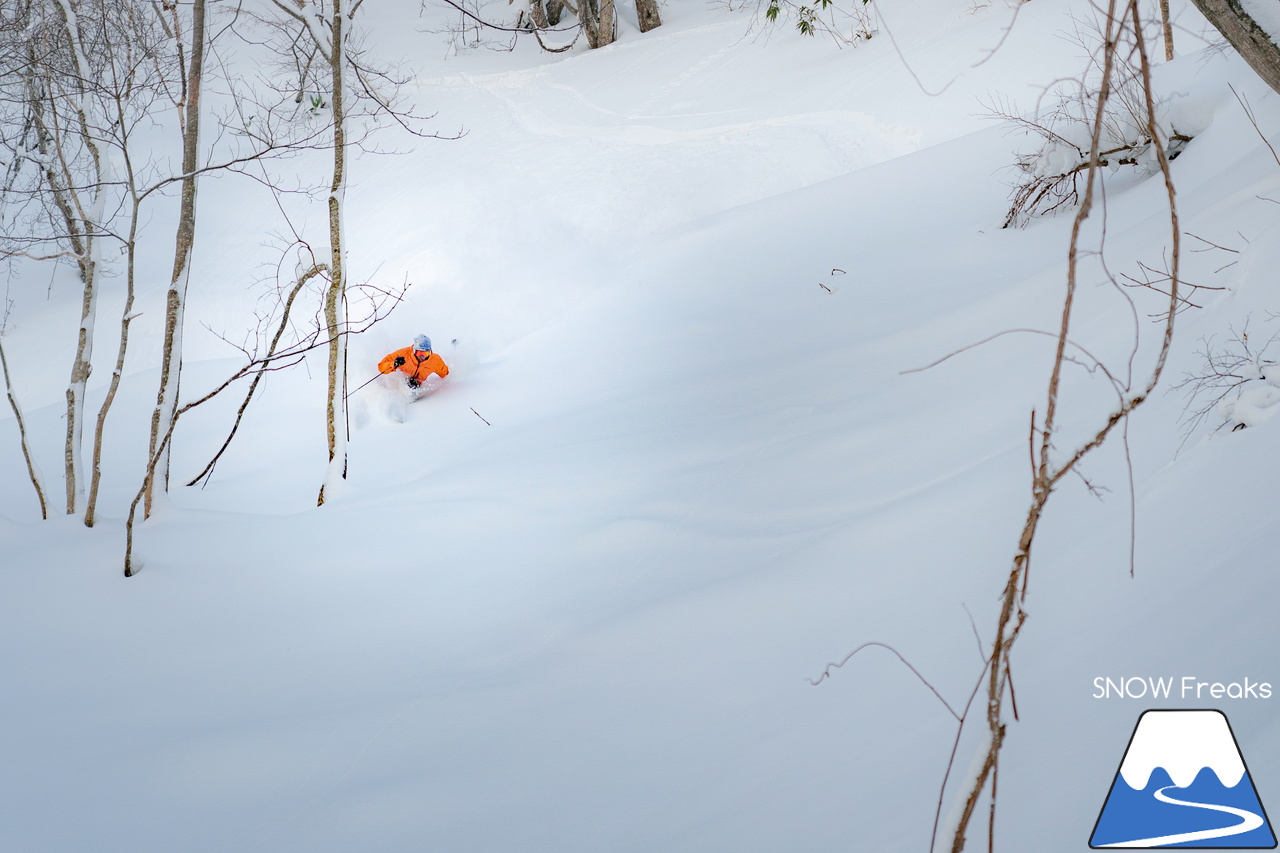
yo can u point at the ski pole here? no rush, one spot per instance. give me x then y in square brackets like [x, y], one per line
[348, 397]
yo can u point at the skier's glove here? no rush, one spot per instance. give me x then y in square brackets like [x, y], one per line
[399, 361]
[413, 383]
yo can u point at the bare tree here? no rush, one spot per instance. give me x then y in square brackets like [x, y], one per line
[131, 102]
[61, 183]
[320, 25]
[176, 298]
[377, 304]
[1123, 42]
[76, 78]
[331, 71]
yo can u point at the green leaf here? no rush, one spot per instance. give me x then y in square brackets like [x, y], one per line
[806, 22]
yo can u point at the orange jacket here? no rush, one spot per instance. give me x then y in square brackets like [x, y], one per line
[417, 368]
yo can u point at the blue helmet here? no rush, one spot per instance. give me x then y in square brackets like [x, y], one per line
[422, 343]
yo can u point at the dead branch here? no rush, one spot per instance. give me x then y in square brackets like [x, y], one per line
[1094, 362]
[1223, 371]
[320, 337]
[1248, 112]
[826, 673]
[315, 270]
[32, 471]
[1048, 475]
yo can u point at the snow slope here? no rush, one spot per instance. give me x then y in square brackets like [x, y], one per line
[685, 274]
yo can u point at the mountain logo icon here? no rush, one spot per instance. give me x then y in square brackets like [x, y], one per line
[1183, 783]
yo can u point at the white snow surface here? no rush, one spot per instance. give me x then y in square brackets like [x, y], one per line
[568, 601]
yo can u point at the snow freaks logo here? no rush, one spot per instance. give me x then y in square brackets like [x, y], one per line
[1183, 783]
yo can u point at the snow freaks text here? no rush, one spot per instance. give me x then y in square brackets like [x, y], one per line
[1186, 687]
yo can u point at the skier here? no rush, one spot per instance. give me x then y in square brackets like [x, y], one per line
[417, 362]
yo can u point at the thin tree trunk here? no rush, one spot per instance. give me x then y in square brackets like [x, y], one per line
[538, 14]
[593, 15]
[44, 140]
[606, 23]
[176, 299]
[335, 296]
[92, 218]
[33, 470]
[647, 13]
[589, 19]
[1168, 30]
[126, 317]
[73, 458]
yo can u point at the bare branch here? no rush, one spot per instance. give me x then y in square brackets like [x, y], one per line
[826, 673]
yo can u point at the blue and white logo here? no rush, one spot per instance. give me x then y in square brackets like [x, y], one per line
[1183, 783]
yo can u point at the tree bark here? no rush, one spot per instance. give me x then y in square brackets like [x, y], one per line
[589, 18]
[176, 299]
[126, 317]
[538, 14]
[92, 218]
[1254, 44]
[1168, 30]
[606, 23]
[335, 296]
[647, 12]
[596, 17]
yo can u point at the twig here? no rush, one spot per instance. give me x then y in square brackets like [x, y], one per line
[1244, 105]
[481, 417]
[32, 471]
[315, 270]
[1012, 617]
[503, 29]
[826, 673]
[976, 635]
[1097, 363]
[1209, 244]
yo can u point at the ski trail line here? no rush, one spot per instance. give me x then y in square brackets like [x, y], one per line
[1249, 821]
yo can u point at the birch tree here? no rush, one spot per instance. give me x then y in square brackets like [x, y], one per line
[62, 148]
[134, 77]
[90, 209]
[78, 76]
[331, 70]
[176, 298]
[320, 24]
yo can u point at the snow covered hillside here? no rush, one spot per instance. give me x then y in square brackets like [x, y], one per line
[569, 601]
